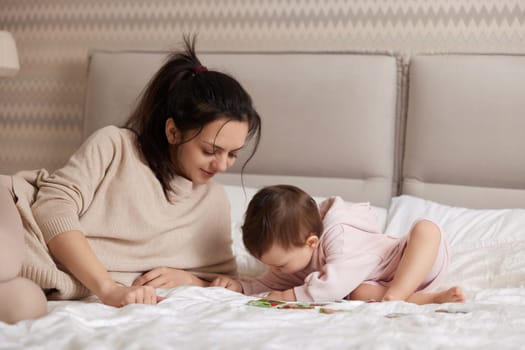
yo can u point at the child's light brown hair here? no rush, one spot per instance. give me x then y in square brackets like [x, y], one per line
[281, 214]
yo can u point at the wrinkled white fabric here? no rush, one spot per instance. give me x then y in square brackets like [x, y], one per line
[216, 318]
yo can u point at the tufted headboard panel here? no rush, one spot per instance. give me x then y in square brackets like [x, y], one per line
[465, 130]
[329, 119]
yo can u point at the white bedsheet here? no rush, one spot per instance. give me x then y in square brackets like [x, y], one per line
[487, 249]
[215, 318]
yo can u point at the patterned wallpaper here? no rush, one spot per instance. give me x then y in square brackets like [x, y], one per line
[41, 108]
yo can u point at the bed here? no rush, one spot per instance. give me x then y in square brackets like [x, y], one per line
[432, 135]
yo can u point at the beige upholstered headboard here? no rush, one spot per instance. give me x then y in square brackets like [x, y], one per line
[465, 130]
[350, 124]
[329, 119]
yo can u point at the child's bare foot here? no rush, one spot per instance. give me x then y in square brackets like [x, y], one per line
[451, 295]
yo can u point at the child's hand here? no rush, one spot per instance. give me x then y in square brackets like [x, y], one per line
[285, 295]
[227, 282]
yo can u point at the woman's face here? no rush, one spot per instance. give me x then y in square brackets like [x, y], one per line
[211, 151]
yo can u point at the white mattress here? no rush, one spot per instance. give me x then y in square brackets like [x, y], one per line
[214, 318]
[487, 262]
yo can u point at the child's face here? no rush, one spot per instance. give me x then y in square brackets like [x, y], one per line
[291, 260]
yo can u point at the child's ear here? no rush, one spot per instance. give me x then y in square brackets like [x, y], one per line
[312, 241]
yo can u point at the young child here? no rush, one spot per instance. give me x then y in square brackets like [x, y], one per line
[334, 251]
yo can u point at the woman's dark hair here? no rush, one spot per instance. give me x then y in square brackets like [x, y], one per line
[281, 214]
[193, 96]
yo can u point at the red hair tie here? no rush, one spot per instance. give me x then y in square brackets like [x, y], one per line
[199, 69]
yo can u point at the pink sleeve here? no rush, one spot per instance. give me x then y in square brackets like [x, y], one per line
[363, 218]
[270, 281]
[345, 269]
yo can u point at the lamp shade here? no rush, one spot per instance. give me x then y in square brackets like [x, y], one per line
[8, 56]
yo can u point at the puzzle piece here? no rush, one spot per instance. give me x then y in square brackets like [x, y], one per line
[278, 304]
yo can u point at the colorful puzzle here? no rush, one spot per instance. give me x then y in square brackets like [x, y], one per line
[278, 304]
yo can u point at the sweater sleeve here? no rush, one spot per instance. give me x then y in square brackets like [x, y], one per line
[67, 193]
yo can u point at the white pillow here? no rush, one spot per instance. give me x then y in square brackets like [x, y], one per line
[487, 246]
[247, 265]
[239, 198]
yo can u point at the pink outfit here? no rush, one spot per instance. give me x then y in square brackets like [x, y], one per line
[352, 250]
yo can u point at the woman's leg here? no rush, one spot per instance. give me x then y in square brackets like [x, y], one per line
[417, 260]
[20, 298]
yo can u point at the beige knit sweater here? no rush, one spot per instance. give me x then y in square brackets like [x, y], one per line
[107, 191]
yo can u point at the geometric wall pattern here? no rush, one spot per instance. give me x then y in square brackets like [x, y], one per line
[41, 107]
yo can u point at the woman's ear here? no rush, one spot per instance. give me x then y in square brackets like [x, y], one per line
[172, 133]
[312, 241]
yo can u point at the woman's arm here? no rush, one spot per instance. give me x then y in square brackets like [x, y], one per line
[167, 277]
[73, 251]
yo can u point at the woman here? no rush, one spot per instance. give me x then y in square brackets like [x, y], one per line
[134, 208]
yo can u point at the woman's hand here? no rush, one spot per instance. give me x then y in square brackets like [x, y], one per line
[285, 295]
[227, 282]
[119, 295]
[73, 251]
[167, 277]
